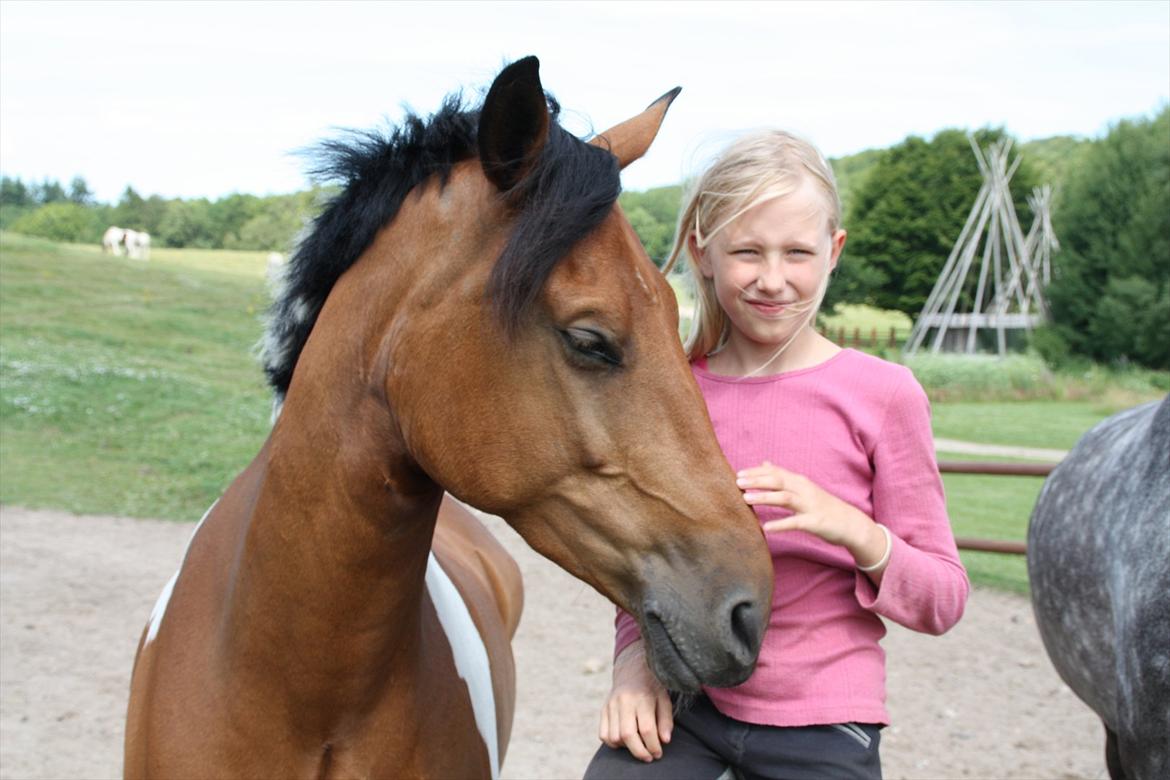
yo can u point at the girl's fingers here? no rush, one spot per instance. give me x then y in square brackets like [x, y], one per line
[759, 477]
[631, 735]
[768, 477]
[782, 498]
[785, 474]
[792, 523]
[665, 716]
[648, 728]
[615, 725]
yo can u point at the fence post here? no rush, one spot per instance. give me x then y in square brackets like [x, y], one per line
[893, 341]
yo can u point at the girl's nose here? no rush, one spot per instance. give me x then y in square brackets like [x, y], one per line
[771, 279]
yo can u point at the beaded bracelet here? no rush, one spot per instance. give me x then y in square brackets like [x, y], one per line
[885, 557]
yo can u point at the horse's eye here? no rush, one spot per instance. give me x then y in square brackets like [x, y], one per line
[591, 349]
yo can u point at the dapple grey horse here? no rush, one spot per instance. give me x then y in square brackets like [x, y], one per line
[1099, 565]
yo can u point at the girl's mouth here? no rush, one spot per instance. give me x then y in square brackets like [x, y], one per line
[768, 308]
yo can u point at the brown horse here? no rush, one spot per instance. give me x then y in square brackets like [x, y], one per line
[472, 314]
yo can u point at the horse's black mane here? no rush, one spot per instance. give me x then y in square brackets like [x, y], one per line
[563, 197]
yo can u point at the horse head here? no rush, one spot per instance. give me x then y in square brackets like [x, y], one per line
[523, 353]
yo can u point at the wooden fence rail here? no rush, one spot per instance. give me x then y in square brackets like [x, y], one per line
[1003, 469]
[873, 338]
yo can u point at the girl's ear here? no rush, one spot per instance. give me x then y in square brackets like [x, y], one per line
[838, 243]
[700, 256]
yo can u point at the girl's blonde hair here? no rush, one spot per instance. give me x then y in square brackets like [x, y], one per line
[758, 167]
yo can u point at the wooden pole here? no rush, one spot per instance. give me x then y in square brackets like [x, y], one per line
[941, 287]
[964, 267]
[991, 545]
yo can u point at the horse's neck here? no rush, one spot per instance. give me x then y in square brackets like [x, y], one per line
[331, 565]
[337, 544]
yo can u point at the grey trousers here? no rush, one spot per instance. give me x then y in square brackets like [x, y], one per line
[708, 745]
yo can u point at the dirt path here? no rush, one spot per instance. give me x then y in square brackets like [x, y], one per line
[980, 702]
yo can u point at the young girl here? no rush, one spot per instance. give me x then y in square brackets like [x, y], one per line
[834, 451]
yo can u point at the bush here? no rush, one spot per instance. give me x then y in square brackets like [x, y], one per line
[983, 377]
[68, 222]
[950, 377]
[1051, 347]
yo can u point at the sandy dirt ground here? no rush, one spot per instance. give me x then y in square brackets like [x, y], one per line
[75, 592]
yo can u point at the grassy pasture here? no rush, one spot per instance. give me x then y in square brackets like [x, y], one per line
[131, 388]
[991, 507]
[865, 319]
[127, 387]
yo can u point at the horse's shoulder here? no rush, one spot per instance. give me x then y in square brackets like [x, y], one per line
[463, 543]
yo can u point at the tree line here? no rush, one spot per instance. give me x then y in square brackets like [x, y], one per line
[904, 208]
[48, 210]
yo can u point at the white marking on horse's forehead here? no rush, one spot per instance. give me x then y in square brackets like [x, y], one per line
[471, 658]
[651, 293]
[164, 598]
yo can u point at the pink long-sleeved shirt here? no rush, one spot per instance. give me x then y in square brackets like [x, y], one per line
[859, 427]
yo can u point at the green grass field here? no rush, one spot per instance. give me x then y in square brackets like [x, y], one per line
[127, 387]
[131, 388]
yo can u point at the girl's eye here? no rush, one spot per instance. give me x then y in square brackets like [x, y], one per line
[591, 349]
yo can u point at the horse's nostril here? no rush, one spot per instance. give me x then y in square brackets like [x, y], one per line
[745, 626]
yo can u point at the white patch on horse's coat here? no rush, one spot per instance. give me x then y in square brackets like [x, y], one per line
[471, 658]
[160, 606]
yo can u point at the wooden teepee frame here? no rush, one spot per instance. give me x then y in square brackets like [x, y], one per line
[1018, 267]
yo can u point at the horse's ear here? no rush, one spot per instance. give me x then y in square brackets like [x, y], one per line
[513, 124]
[630, 140]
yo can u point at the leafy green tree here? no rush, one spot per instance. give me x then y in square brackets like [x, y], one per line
[909, 212]
[15, 200]
[1054, 158]
[1109, 294]
[128, 212]
[50, 191]
[187, 223]
[656, 236]
[851, 173]
[138, 213]
[14, 193]
[61, 222]
[653, 214]
[229, 214]
[79, 192]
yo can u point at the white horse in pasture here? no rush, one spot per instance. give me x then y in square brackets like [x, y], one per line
[137, 244]
[123, 241]
[114, 240]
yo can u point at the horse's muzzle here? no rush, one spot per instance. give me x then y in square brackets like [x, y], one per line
[688, 648]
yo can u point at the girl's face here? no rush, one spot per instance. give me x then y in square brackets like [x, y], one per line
[772, 256]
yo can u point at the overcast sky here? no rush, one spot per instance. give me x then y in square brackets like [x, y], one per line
[204, 99]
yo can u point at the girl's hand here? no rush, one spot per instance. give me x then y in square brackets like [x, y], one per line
[638, 712]
[814, 510]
